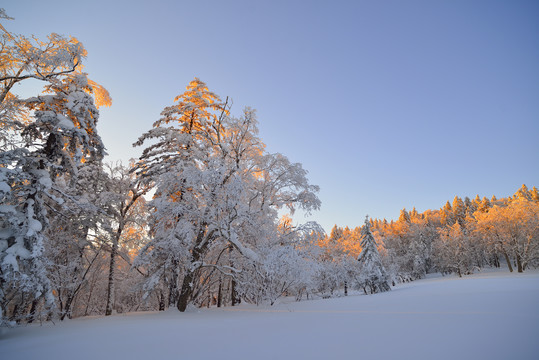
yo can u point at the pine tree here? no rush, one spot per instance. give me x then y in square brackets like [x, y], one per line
[484, 205]
[336, 234]
[535, 194]
[404, 217]
[459, 210]
[447, 214]
[523, 193]
[373, 277]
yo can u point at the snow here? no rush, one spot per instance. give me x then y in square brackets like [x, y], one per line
[46, 181]
[490, 315]
[4, 187]
[7, 209]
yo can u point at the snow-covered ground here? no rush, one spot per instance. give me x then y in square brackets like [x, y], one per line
[492, 315]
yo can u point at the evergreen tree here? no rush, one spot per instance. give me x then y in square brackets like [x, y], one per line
[404, 217]
[372, 277]
[523, 193]
[535, 194]
[336, 234]
[459, 210]
[447, 214]
[484, 206]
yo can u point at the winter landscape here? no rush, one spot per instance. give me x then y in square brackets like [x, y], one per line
[153, 215]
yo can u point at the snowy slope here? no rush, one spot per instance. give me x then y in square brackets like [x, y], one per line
[485, 316]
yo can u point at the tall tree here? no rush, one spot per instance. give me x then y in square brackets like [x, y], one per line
[215, 190]
[453, 251]
[40, 138]
[459, 211]
[373, 276]
[125, 201]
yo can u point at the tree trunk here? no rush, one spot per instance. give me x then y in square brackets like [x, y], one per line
[519, 263]
[161, 301]
[13, 316]
[234, 297]
[220, 293]
[507, 261]
[496, 261]
[67, 309]
[110, 287]
[186, 291]
[32, 316]
[202, 242]
[173, 285]
[236, 300]
[345, 288]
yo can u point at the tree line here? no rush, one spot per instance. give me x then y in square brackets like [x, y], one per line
[461, 237]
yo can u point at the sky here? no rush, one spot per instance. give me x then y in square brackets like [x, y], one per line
[387, 104]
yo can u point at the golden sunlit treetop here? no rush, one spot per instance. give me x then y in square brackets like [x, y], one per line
[24, 58]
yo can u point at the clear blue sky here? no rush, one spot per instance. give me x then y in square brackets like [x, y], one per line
[387, 104]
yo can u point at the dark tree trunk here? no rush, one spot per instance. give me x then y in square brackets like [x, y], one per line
[519, 263]
[202, 242]
[236, 300]
[32, 316]
[173, 285]
[110, 286]
[186, 291]
[161, 301]
[67, 309]
[507, 261]
[13, 316]
[345, 288]
[234, 296]
[220, 293]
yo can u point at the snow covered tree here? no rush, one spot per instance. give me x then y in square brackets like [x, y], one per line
[125, 210]
[447, 214]
[453, 251]
[74, 239]
[40, 138]
[404, 216]
[459, 211]
[418, 256]
[186, 172]
[215, 190]
[513, 231]
[372, 277]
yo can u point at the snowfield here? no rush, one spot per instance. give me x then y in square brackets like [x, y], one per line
[491, 315]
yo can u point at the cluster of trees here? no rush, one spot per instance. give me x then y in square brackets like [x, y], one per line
[197, 219]
[80, 237]
[463, 236]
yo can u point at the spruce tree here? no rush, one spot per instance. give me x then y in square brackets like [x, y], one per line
[373, 276]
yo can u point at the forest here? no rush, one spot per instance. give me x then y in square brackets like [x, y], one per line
[203, 217]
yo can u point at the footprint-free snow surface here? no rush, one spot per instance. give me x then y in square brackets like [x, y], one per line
[492, 315]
